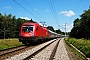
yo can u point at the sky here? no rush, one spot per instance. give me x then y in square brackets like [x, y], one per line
[55, 13]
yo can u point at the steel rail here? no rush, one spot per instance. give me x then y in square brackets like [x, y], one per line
[54, 51]
[30, 56]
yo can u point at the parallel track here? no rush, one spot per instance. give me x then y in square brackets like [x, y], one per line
[12, 51]
[21, 51]
[52, 54]
[3, 52]
[54, 51]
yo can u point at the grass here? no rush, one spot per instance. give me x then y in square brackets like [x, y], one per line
[77, 54]
[81, 44]
[9, 43]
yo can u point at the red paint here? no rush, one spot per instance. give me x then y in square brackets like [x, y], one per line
[38, 31]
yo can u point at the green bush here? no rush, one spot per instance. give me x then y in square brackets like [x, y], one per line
[81, 44]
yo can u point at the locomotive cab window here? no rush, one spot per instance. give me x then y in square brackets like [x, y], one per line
[27, 28]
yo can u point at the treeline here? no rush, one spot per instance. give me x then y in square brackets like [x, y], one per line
[81, 26]
[9, 26]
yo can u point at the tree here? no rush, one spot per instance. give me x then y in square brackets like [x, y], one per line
[58, 31]
[51, 28]
[81, 27]
[1, 26]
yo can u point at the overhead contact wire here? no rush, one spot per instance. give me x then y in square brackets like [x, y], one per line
[26, 10]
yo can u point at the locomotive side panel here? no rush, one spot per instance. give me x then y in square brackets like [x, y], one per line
[38, 31]
[41, 32]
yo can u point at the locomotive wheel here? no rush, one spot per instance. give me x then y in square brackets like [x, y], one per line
[26, 42]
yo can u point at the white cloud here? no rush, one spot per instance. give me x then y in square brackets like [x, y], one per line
[68, 13]
[68, 27]
[7, 7]
[26, 18]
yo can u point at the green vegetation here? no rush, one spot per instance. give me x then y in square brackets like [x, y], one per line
[9, 43]
[9, 26]
[76, 55]
[81, 44]
[81, 26]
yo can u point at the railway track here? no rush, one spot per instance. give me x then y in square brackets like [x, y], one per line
[42, 50]
[3, 52]
[33, 52]
[51, 50]
[13, 51]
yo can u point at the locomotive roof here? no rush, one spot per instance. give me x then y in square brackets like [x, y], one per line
[28, 23]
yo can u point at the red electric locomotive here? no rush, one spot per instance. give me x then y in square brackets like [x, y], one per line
[31, 32]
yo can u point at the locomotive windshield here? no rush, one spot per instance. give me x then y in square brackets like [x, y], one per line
[27, 28]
